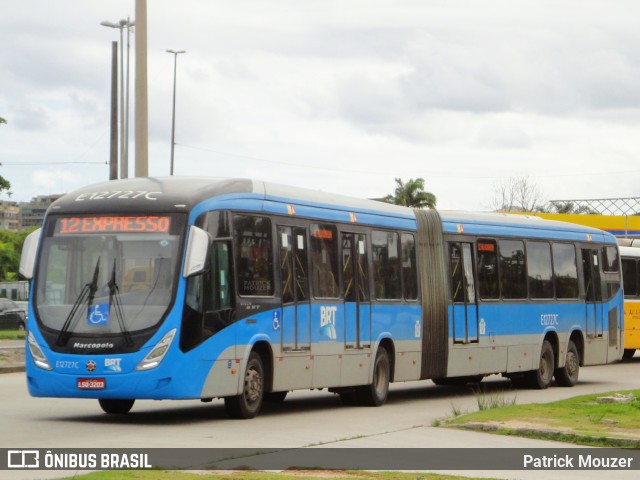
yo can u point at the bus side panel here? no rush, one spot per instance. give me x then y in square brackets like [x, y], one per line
[403, 324]
[631, 323]
[511, 336]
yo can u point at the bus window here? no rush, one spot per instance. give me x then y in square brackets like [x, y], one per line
[386, 265]
[610, 261]
[355, 277]
[565, 270]
[630, 277]
[488, 270]
[513, 281]
[254, 258]
[457, 286]
[324, 258]
[539, 270]
[409, 267]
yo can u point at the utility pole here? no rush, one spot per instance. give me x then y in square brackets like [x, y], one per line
[113, 162]
[173, 116]
[142, 113]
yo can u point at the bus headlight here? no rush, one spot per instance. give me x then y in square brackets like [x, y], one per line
[157, 353]
[36, 353]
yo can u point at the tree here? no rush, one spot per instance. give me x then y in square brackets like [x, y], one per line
[567, 207]
[516, 194]
[411, 194]
[10, 248]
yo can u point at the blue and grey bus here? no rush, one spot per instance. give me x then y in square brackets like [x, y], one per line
[203, 288]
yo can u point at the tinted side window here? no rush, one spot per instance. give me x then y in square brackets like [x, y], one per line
[409, 267]
[254, 255]
[539, 270]
[324, 260]
[513, 280]
[565, 270]
[610, 261]
[630, 277]
[488, 284]
[386, 265]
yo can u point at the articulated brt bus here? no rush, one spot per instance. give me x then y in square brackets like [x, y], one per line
[168, 288]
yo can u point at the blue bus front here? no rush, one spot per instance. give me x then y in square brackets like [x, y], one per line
[102, 319]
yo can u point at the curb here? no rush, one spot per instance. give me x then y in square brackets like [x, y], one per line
[551, 434]
[11, 368]
[14, 365]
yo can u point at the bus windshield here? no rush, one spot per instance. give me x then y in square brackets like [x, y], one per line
[106, 275]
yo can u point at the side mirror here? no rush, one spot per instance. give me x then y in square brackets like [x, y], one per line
[198, 245]
[28, 257]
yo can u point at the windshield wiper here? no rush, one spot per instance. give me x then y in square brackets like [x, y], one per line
[88, 292]
[114, 300]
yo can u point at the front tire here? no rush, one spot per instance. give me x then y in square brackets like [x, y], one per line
[628, 353]
[248, 403]
[115, 407]
[567, 376]
[375, 394]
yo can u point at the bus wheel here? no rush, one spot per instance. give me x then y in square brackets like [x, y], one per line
[375, 394]
[628, 353]
[541, 378]
[248, 403]
[275, 397]
[567, 376]
[115, 407]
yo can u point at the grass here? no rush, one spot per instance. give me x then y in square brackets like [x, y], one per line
[580, 420]
[260, 475]
[12, 335]
[491, 400]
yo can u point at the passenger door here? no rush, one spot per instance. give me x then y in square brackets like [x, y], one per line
[593, 292]
[296, 310]
[355, 290]
[463, 293]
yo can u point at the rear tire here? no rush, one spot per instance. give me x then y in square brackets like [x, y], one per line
[567, 376]
[115, 407]
[248, 403]
[375, 394]
[541, 378]
[628, 353]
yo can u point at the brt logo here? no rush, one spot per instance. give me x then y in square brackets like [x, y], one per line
[328, 316]
[328, 322]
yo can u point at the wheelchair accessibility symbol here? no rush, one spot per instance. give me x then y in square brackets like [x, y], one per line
[98, 315]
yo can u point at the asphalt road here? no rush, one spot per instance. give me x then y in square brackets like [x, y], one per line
[306, 418]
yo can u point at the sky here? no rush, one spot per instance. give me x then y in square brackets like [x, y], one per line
[339, 96]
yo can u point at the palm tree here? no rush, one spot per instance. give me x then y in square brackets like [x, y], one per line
[411, 194]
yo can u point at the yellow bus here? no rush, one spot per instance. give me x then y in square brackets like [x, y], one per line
[630, 257]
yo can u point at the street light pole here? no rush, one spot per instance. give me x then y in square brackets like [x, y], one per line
[173, 116]
[125, 158]
[124, 120]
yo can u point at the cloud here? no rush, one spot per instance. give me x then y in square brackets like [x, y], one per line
[54, 178]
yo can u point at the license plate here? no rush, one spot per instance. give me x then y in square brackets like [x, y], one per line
[91, 383]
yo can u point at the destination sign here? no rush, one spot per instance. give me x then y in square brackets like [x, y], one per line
[112, 224]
